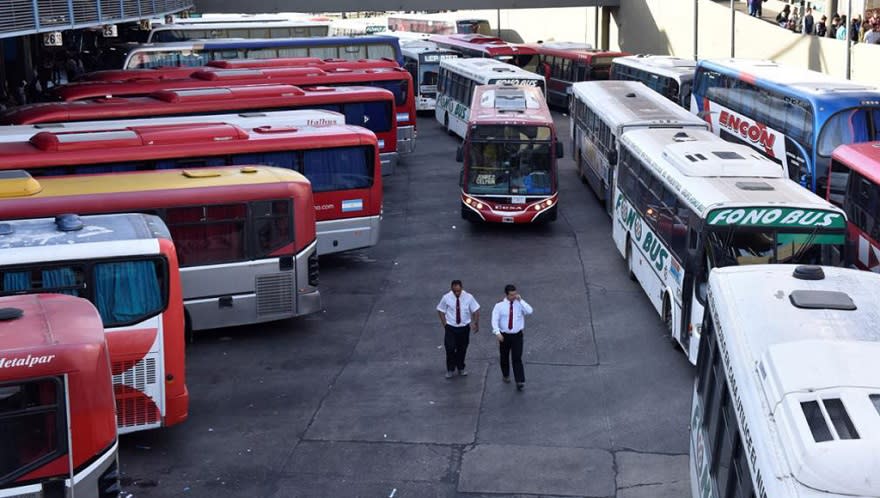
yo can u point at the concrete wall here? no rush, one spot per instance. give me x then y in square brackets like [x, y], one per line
[651, 26]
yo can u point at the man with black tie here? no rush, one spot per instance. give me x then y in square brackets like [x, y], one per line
[459, 314]
[508, 322]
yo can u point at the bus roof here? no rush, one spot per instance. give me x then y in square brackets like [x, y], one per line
[710, 173]
[254, 43]
[93, 229]
[665, 65]
[220, 24]
[572, 50]
[199, 101]
[635, 105]
[804, 80]
[65, 332]
[811, 341]
[484, 70]
[863, 158]
[96, 146]
[510, 104]
[489, 45]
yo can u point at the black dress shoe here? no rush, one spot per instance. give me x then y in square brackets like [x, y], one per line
[520, 386]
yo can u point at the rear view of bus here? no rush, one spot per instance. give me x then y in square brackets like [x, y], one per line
[57, 422]
[509, 154]
[126, 265]
[787, 391]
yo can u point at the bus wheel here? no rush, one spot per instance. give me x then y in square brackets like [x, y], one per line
[629, 265]
[446, 124]
[668, 322]
[188, 336]
[580, 168]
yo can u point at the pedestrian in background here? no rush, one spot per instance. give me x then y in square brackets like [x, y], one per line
[459, 314]
[808, 22]
[508, 324]
[822, 26]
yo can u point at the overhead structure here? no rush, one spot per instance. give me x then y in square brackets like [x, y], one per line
[256, 6]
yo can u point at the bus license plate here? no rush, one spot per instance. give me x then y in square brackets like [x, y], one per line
[518, 199]
[507, 219]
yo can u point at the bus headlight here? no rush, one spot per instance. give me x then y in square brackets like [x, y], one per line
[538, 206]
[402, 116]
[479, 205]
[381, 144]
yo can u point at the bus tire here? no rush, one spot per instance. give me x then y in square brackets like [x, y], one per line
[668, 322]
[446, 124]
[629, 266]
[580, 167]
[552, 214]
[188, 335]
[467, 215]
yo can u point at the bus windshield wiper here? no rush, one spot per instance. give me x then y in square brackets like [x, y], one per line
[797, 256]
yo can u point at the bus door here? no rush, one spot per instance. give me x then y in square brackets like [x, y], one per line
[694, 287]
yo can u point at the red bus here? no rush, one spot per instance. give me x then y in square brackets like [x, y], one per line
[341, 162]
[855, 187]
[564, 63]
[126, 265]
[476, 45]
[369, 107]
[396, 80]
[57, 419]
[509, 155]
[245, 235]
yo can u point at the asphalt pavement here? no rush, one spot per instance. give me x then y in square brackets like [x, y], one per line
[352, 402]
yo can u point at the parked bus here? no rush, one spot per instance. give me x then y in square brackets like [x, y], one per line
[396, 80]
[439, 24]
[563, 63]
[341, 162]
[509, 173]
[371, 108]
[199, 53]
[687, 202]
[423, 63]
[482, 46]
[855, 187]
[245, 235]
[601, 112]
[177, 32]
[57, 418]
[794, 116]
[358, 26]
[457, 80]
[671, 77]
[125, 265]
[785, 399]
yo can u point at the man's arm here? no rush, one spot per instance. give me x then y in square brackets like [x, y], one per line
[442, 318]
[527, 309]
[496, 315]
[475, 321]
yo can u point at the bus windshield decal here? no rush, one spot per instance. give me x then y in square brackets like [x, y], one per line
[777, 217]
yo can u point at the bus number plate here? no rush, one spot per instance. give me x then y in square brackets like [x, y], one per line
[518, 199]
[507, 219]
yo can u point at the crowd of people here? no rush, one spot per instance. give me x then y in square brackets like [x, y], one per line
[801, 20]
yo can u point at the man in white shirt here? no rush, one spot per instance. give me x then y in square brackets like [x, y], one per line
[508, 322]
[459, 314]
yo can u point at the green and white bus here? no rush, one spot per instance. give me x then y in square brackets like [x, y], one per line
[687, 202]
[457, 80]
[787, 391]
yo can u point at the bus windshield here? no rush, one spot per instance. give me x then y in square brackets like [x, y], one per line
[854, 125]
[511, 164]
[736, 246]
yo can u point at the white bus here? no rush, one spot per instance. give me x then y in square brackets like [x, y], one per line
[687, 201]
[160, 33]
[358, 26]
[459, 77]
[787, 391]
[247, 120]
[671, 77]
[447, 23]
[602, 111]
[422, 60]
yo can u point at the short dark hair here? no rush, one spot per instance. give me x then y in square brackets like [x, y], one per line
[509, 288]
[456, 282]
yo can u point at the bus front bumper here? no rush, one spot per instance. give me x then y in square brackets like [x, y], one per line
[406, 139]
[347, 234]
[479, 210]
[389, 162]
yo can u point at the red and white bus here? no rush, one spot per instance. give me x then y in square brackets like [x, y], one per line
[369, 107]
[57, 419]
[342, 163]
[855, 187]
[443, 23]
[245, 235]
[476, 45]
[396, 80]
[564, 63]
[509, 155]
[126, 265]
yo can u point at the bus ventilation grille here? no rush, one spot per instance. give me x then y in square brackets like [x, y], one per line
[275, 294]
[133, 406]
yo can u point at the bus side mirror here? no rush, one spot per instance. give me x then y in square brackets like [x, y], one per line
[459, 154]
[559, 150]
[461, 178]
[702, 292]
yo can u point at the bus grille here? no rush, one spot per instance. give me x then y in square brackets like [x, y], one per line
[133, 407]
[275, 294]
[313, 269]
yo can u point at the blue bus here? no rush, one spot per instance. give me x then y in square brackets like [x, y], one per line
[791, 115]
[200, 52]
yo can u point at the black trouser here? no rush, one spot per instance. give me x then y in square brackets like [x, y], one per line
[456, 342]
[513, 343]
